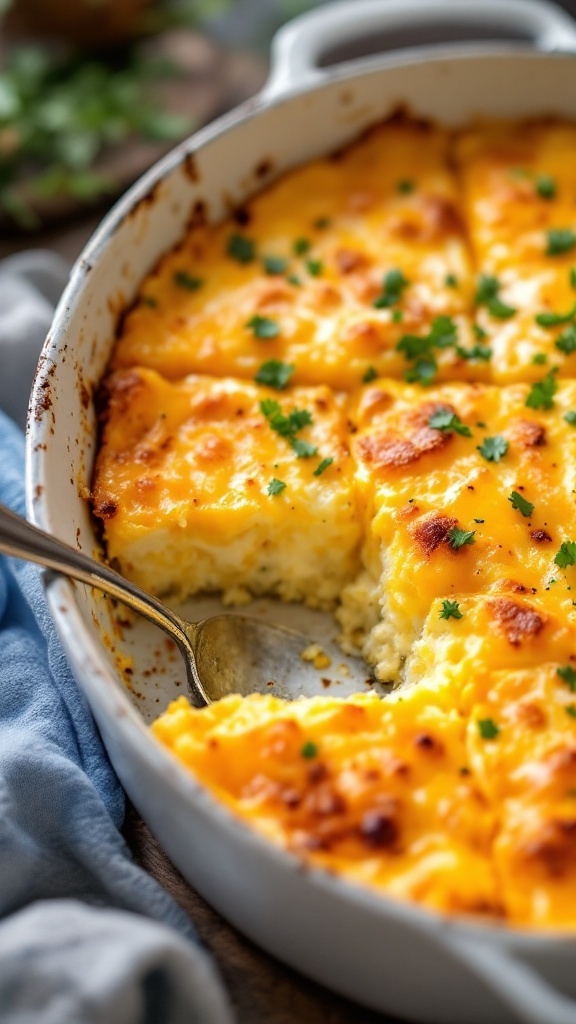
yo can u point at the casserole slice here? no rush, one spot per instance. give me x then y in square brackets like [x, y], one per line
[328, 269]
[463, 489]
[220, 485]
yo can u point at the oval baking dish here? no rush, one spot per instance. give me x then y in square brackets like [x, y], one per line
[392, 957]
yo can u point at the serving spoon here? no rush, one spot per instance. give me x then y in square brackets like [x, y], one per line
[228, 653]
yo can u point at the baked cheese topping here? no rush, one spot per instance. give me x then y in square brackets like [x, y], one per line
[360, 393]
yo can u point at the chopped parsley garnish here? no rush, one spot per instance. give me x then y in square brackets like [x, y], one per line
[405, 186]
[309, 749]
[570, 417]
[488, 728]
[294, 279]
[323, 465]
[487, 294]
[476, 352]
[369, 375]
[393, 285]
[540, 359]
[449, 421]
[303, 449]
[263, 327]
[520, 503]
[419, 349]
[568, 674]
[500, 310]
[241, 248]
[478, 520]
[322, 222]
[451, 281]
[566, 342]
[397, 316]
[148, 300]
[541, 394]
[566, 555]
[545, 186]
[185, 280]
[479, 333]
[276, 486]
[274, 264]
[423, 372]
[560, 240]
[302, 246]
[450, 610]
[314, 267]
[571, 710]
[275, 374]
[285, 425]
[493, 448]
[288, 426]
[457, 538]
[554, 319]
[572, 276]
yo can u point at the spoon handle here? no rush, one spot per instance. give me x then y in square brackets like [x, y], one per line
[21, 539]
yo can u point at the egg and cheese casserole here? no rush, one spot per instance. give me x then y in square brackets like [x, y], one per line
[359, 393]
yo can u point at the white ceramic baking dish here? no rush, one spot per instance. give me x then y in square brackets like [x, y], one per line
[390, 956]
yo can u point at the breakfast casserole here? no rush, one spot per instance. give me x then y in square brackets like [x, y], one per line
[359, 393]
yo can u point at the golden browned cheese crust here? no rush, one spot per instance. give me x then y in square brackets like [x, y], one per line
[360, 393]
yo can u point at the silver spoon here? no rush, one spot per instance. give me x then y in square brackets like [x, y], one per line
[227, 653]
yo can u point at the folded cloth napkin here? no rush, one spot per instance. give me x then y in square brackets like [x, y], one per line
[86, 937]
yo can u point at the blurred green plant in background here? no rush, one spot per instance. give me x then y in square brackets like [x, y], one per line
[62, 104]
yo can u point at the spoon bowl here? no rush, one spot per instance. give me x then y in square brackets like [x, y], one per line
[224, 654]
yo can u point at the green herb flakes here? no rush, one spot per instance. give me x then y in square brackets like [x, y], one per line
[276, 486]
[323, 465]
[263, 327]
[488, 729]
[314, 267]
[275, 374]
[309, 750]
[559, 241]
[493, 448]
[520, 503]
[303, 449]
[185, 280]
[568, 675]
[405, 186]
[570, 417]
[393, 286]
[458, 538]
[451, 281]
[541, 394]
[369, 375]
[450, 610]
[241, 249]
[302, 246]
[547, 319]
[570, 709]
[450, 422]
[545, 186]
[274, 264]
[540, 359]
[487, 294]
[566, 555]
[566, 342]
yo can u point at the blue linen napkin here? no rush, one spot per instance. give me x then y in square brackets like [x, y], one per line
[75, 946]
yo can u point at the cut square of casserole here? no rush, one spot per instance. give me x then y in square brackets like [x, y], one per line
[327, 270]
[522, 747]
[220, 485]
[518, 200]
[463, 489]
[372, 790]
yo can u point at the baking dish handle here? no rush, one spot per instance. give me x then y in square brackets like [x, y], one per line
[518, 985]
[298, 47]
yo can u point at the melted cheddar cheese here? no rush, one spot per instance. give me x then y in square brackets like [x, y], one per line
[360, 393]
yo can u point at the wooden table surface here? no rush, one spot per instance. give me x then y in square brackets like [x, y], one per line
[261, 989]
